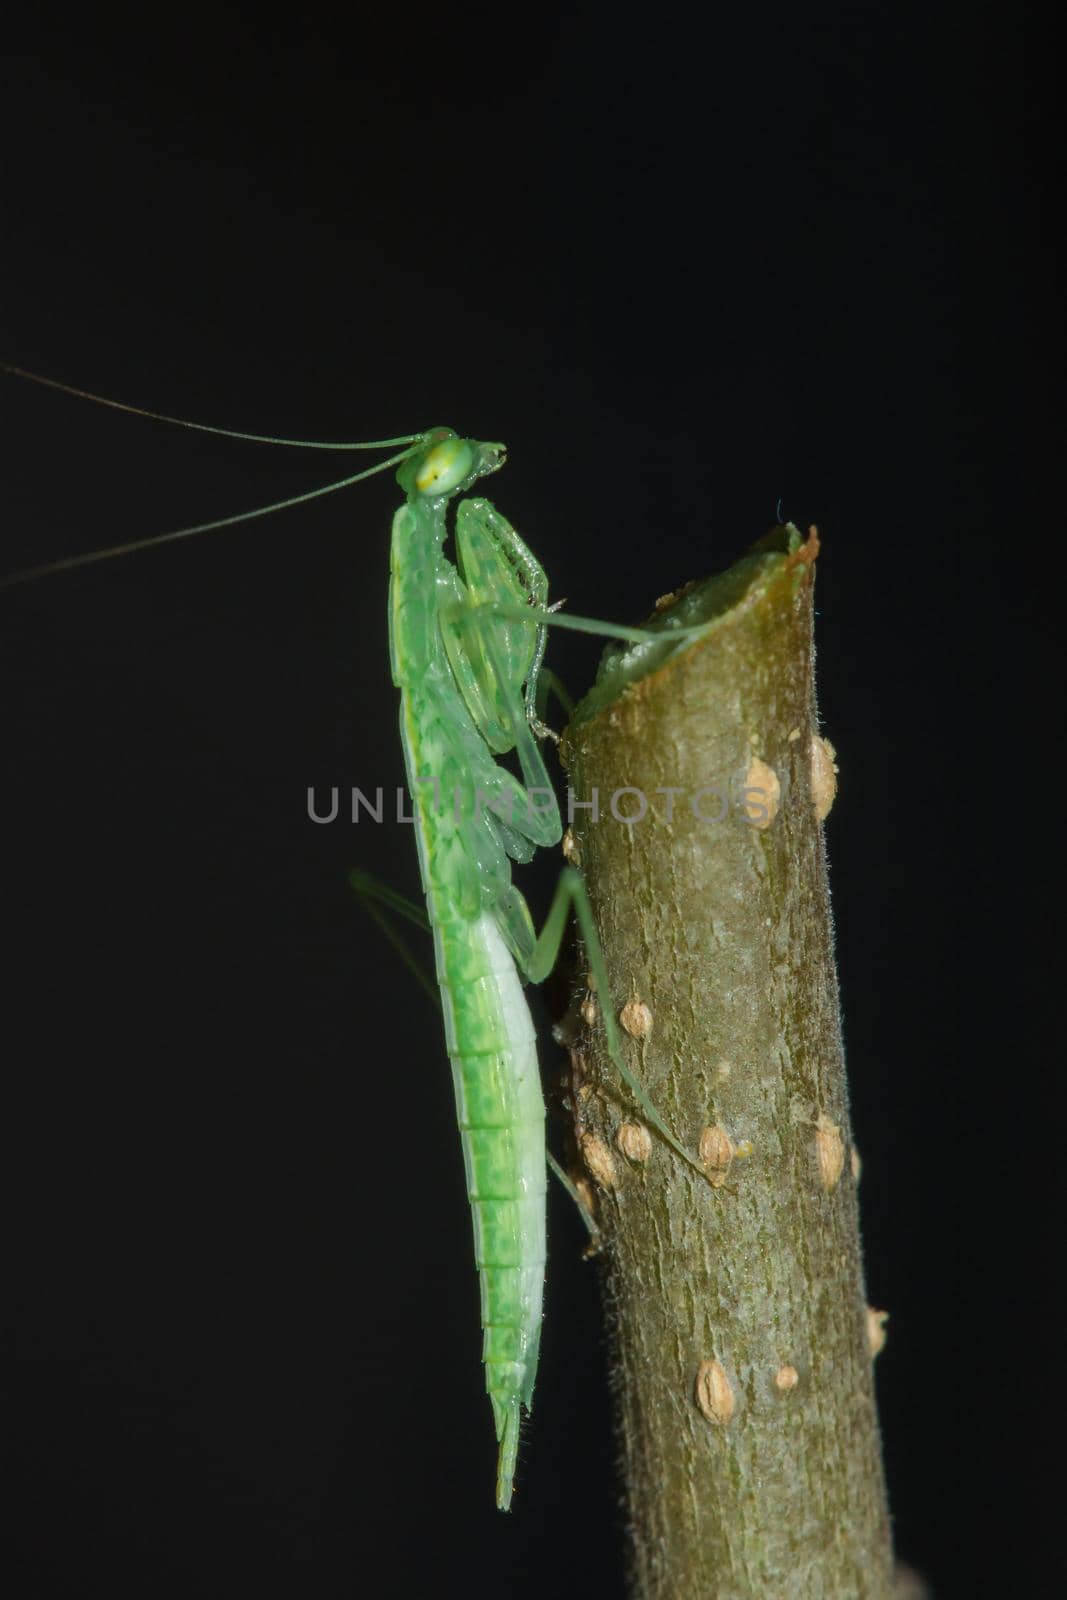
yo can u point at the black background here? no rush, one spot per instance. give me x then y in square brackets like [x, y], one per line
[684, 264]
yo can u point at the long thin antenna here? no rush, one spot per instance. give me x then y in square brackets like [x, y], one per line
[203, 427]
[68, 563]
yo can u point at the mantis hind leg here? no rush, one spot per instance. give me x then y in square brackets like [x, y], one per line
[536, 956]
[384, 905]
[549, 682]
[591, 1225]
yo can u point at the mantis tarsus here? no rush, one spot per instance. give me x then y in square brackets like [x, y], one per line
[466, 641]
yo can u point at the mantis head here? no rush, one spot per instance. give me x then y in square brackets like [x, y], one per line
[443, 464]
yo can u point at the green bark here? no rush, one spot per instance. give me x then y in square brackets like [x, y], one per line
[742, 1355]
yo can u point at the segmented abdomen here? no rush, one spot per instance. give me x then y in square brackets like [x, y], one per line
[501, 1116]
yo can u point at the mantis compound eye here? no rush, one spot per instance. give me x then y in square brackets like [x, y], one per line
[444, 467]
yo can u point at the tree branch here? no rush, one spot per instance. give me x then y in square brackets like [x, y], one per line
[742, 1350]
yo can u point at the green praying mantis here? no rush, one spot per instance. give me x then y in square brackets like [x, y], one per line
[467, 642]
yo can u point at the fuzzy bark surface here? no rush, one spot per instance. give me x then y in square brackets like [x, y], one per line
[743, 1377]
